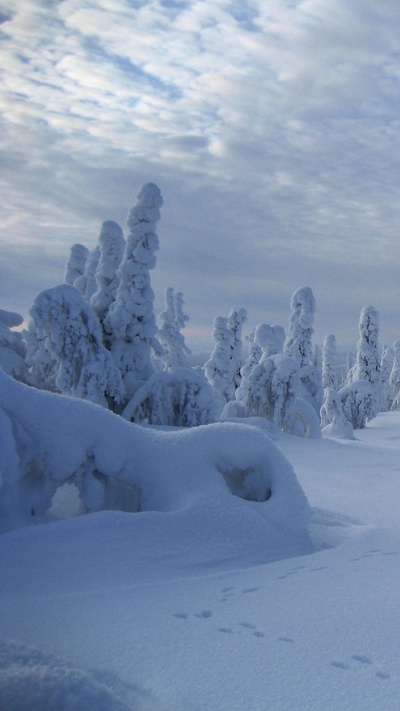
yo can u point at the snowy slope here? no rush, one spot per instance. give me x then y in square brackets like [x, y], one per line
[166, 615]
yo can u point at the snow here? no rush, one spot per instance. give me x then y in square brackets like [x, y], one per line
[203, 600]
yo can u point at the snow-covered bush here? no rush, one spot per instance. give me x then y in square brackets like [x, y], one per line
[299, 347]
[72, 335]
[171, 320]
[306, 421]
[273, 386]
[76, 263]
[358, 402]
[333, 421]
[180, 397]
[265, 342]
[12, 346]
[130, 318]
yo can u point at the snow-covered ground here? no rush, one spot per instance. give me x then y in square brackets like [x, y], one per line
[172, 611]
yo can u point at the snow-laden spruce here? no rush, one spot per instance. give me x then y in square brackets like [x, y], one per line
[394, 378]
[87, 283]
[386, 366]
[76, 264]
[329, 375]
[298, 345]
[171, 320]
[179, 397]
[367, 365]
[358, 401]
[236, 319]
[272, 388]
[266, 341]
[68, 326]
[112, 245]
[130, 318]
[219, 369]
[12, 346]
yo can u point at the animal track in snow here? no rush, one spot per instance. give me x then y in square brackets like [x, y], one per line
[362, 659]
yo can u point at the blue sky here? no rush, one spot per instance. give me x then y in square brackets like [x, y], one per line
[272, 129]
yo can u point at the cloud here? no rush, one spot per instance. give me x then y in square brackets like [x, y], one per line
[271, 128]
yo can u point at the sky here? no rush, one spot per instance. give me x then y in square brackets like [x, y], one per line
[271, 127]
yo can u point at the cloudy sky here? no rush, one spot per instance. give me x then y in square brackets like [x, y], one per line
[272, 128]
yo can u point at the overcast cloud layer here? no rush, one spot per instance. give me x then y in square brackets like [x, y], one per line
[272, 128]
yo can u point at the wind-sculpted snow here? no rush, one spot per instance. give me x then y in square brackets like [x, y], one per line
[31, 680]
[228, 487]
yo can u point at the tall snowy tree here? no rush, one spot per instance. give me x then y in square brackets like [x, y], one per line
[86, 283]
[367, 365]
[394, 378]
[112, 245]
[237, 317]
[386, 365]
[130, 318]
[76, 263]
[171, 320]
[329, 375]
[71, 330]
[298, 345]
[219, 369]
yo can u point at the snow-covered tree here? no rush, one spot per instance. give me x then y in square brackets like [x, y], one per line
[394, 378]
[329, 375]
[86, 283]
[40, 361]
[219, 369]
[367, 365]
[76, 263]
[112, 245]
[12, 346]
[299, 347]
[386, 365]
[237, 317]
[267, 341]
[273, 387]
[72, 333]
[181, 397]
[171, 320]
[333, 420]
[130, 318]
[349, 369]
[358, 402]
[271, 339]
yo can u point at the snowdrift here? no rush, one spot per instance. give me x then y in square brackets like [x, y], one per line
[225, 486]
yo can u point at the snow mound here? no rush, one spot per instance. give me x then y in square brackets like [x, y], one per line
[33, 681]
[230, 475]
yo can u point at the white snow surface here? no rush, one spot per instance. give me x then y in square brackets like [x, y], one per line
[203, 600]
